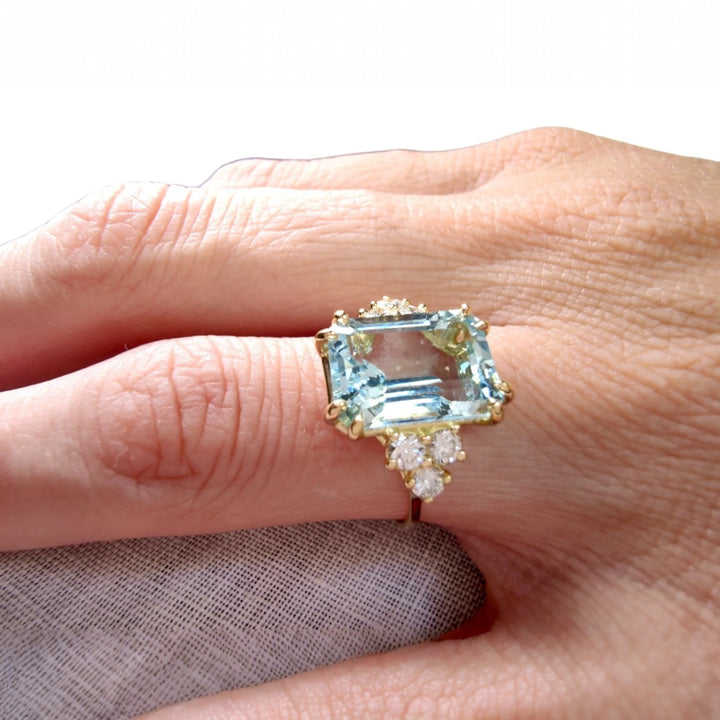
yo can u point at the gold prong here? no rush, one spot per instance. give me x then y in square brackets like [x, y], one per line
[356, 428]
[426, 440]
[483, 326]
[496, 408]
[410, 483]
[427, 463]
[462, 455]
[447, 479]
[465, 308]
[422, 307]
[390, 464]
[428, 500]
[362, 311]
[321, 341]
[333, 410]
[341, 317]
[506, 389]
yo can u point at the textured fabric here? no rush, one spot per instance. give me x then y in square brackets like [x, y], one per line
[109, 630]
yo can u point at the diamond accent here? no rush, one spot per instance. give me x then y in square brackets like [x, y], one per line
[406, 451]
[445, 447]
[389, 308]
[427, 483]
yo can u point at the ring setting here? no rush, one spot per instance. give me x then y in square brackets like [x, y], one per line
[411, 377]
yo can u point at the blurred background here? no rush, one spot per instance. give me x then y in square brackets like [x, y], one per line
[95, 91]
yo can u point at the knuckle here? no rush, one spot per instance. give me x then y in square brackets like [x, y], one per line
[553, 140]
[97, 241]
[174, 415]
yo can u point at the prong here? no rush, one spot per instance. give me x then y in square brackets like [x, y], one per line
[465, 308]
[355, 430]
[496, 408]
[427, 463]
[428, 500]
[506, 389]
[426, 440]
[462, 455]
[321, 341]
[390, 464]
[423, 308]
[341, 317]
[333, 410]
[482, 326]
[362, 311]
[410, 483]
[447, 479]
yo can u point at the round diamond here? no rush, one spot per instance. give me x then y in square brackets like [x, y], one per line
[445, 447]
[429, 482]
[407, 452]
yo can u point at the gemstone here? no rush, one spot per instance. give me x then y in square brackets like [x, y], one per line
[410, 369]
[428, 482]
[406, 451]
[445, 447]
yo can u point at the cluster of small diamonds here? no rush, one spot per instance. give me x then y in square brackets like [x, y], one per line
[422, 457]
[390, 307]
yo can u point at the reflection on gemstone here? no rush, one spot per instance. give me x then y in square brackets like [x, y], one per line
[411, 369]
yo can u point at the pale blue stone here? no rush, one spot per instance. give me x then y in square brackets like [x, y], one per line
[411, 370]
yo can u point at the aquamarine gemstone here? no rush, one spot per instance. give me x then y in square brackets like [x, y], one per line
[411, 370]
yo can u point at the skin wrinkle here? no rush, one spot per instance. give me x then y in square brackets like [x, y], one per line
[64, 241]
[258, 379]
[200, 427]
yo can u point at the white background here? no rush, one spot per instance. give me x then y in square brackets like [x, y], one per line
[96, 91]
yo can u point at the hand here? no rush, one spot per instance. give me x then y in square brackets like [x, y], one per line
[195, 402]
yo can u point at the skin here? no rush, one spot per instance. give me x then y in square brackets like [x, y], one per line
[159, 377]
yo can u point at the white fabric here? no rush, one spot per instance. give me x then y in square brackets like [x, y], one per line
[110, 630]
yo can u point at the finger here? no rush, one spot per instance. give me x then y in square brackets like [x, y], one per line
[135, 263]
[206, 434]
[138, 263]
[188, 436]
[393, 171]
[406, 171]
[567, 643]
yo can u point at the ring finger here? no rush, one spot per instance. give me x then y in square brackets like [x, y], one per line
[200, 435]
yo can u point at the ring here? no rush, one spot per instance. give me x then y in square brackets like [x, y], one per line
[411, 377]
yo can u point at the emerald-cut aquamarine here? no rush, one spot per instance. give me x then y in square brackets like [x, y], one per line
[410, 369]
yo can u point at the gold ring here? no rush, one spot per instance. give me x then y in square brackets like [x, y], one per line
[411, 377]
